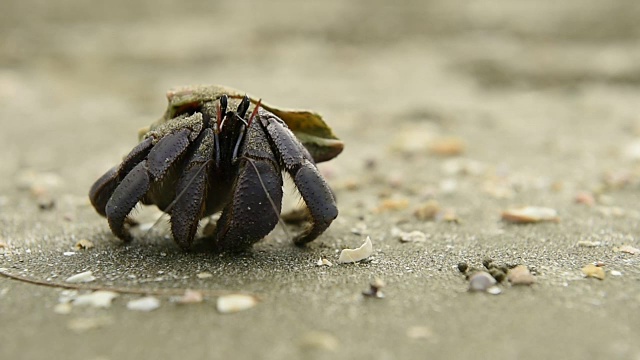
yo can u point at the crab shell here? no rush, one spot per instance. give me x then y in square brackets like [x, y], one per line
[307, 126]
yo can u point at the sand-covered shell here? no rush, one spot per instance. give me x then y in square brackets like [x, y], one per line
[308, 126]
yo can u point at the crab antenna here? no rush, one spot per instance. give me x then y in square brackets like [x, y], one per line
[273, 205]
[234, 157]
[255, 112]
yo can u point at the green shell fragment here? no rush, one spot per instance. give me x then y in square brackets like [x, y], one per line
[308, 126]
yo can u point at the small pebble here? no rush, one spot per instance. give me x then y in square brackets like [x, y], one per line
[82, 277]
[463, 267]
[520, 275]
[68, 253]
[481, 281]
[375, 288]
[530, 214]
[233, 303]
[355, 255]
[190, 297]
[629, 250]
[447, 146]
[615, 273]
[585, 198]
[391, 205]
[427, 211]
[204, 275]
[593, 271]
[147, 303]
[449, 215]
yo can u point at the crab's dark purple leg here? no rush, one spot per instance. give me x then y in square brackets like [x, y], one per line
[256, 196]
[191, 191]
[104, 187]
[250, 215]
[315, 192]
[137, 182]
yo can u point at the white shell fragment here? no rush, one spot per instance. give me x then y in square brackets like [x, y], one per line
[148, 303]
[355, 255]
[530, 214]
[324, 262]
[233, 303]
[593, 271]
[99, 299]
[82, 277]
[84, 244]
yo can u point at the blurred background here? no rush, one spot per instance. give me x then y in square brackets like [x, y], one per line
[78, 78]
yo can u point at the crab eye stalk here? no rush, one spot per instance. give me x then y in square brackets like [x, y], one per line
[243, 107]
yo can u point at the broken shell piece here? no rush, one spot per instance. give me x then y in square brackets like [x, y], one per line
[147, 303]
[82, 277]
[324, 262]
[520, 275]
[99, 299]
[355, 255]
[530, 214]
[83, 244]
[593, 271]
[481, 281]
[233, 303]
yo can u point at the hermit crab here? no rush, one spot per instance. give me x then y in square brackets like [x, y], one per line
[218, 149]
